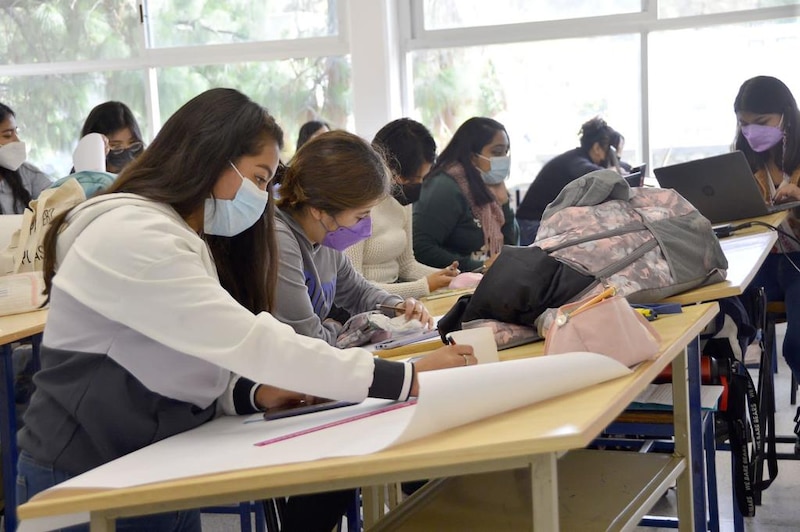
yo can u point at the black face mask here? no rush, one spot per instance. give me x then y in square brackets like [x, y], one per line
[121, 159]
[407, 193]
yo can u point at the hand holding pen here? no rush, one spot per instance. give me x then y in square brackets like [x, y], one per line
[448, 356]
[442, 278]
[412, 309]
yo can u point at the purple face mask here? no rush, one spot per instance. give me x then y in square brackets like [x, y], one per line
[344, 237]
[761, 138]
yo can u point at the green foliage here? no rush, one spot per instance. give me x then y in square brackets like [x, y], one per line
[51, 108]
[450, 87]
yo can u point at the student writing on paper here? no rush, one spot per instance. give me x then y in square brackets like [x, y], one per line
[386, 258]
[142, 342]
[768, 133]
[327, 195]
[464, 213]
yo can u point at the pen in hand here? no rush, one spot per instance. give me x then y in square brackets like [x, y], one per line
[396, 308]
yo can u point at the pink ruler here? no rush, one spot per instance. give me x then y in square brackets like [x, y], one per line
[389, 408]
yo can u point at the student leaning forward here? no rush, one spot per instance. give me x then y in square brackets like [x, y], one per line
[142, 342]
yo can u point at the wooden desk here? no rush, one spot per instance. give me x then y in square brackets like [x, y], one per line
[19, 326]
[13, 329]
[530, 438]
[774, 219]
[439, 304]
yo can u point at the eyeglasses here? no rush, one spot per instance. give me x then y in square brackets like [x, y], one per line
[134, 147]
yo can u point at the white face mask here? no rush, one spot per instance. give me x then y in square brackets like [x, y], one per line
[231, 217]
[12, 155]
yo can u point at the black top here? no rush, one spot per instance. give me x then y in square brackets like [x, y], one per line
[553, 177]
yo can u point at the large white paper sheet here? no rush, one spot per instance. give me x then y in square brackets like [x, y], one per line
[228, 443]
[480, 391]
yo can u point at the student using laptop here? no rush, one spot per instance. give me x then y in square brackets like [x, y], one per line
[768, 135]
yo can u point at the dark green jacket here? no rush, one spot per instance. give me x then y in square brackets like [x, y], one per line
[445, 229]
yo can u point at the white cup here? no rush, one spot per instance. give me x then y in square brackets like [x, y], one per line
[482, 341]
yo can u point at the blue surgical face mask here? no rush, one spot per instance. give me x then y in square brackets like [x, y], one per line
[499, 169]
[231, 217]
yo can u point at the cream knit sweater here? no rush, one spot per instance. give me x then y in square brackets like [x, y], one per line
[386, 259]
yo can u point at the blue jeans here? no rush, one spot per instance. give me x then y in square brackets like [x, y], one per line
[781, 282]
[527, 231]
[33, 477]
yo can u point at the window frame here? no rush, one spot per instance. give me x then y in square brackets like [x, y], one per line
[417, 37]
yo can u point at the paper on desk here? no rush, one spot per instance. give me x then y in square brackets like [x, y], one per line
[448, 398]
[661, 395]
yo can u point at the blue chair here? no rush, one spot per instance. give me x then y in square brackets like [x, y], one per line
[244, 510]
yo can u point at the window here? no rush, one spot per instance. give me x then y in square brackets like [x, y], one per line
[553, 67]
[32, 31]
[541, 92]
[199, 22]
[294, 91]
[685, 8]
[691, 97]
[58, 59]
[51, 110]
[443, 14]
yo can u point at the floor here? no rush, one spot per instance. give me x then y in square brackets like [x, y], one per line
[779, 511]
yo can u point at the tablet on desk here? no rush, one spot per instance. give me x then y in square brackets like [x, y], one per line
[305, 409]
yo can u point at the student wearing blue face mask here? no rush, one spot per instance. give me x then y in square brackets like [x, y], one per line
[327, 195]
[463, 213]
[598, 149]
[143, 342]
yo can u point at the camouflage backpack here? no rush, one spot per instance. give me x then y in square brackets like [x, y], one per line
[649, 243]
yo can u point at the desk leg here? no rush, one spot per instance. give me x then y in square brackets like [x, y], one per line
[688, 438]
[372, 502]
[101, 523]
[544, 490]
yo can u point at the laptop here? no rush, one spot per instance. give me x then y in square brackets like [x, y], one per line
[636, 176]
[722, 187]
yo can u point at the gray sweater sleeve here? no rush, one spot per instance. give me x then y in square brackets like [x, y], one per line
[34, 179]
[292, 303]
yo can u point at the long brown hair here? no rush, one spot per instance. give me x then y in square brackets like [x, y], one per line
[180, 169]
[334, 172]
